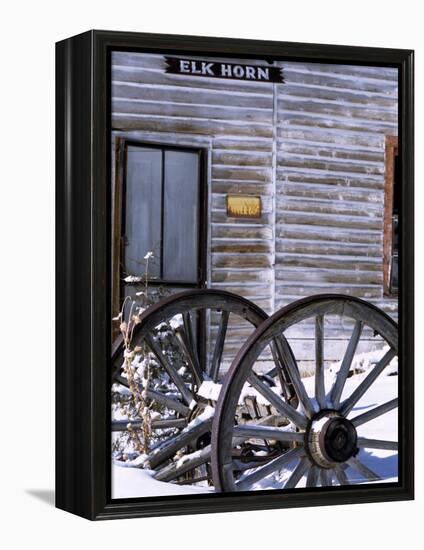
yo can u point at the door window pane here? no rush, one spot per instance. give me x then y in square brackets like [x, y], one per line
[162, 213]
[181, 216]
[143, 209]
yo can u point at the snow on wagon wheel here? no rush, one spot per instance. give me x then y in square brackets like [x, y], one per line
[182, 392]
[344, 430]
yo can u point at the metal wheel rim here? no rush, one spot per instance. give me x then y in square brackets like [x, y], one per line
[187, 301]
[222, 430]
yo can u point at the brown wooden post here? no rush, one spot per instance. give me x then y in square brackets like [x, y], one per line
[391, 147]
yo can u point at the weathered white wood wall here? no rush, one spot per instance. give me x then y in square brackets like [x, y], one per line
[312, 148]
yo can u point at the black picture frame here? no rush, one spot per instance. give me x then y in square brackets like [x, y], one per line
[83, 260]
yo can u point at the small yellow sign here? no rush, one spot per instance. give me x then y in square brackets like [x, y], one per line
[243, 206]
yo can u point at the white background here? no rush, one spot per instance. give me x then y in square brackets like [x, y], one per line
[28, 33]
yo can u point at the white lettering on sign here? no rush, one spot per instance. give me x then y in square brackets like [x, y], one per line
[225, 70]
[263, 74]
[248, 72]
[207, 68]
[184, 66]
[194, 69]
[215, 69]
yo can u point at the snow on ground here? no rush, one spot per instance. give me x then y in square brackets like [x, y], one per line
[133, 482]
[136, 483]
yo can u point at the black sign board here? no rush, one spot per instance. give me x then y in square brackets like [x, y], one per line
[223, 69]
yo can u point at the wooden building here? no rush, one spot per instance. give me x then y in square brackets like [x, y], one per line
[318, 149]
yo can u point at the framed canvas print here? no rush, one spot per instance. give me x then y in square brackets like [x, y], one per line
[234, 274]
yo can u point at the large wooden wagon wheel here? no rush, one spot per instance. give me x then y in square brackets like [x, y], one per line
[327, 443]
[183, 417]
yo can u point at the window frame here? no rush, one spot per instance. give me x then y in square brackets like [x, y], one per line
[391, 149]
[119, 216]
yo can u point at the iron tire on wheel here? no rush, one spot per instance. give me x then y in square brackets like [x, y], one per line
[185, 304]
[325, 442]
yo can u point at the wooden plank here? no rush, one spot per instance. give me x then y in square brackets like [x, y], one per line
[220, 216]
[343, 234]
[157, 78]
[248, 158]
[225, 186]
[313, 77]
[121, 105]
[241, 173]
[323, 191]
[362, 126]
[286, 160]
[236, 231]
[364, 155]
[305, 246]
[251, 260]
[329, 275]
[243, 248]
[328, 261]
[353, 71]
[222, 144]
[201, 126]
[319, 178]
[326, 206]
[327, 219]
[333, 110]
[244, 277]
[167, 90]
[329, 138]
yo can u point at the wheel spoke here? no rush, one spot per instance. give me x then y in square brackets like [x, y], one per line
[377, 444]
[164, 363]
[170, 447]
[190, 355]
[275, 400]
[247, 431]
[162, 423]
[374, 413]
[312, 478]
[319, 362]
[341, 475]
[337, 389]
[219, 346]
[182, 466]
[281, 371]
[189, 329]
[298, 473]
[287, 359]
[168, 422]
[326, 477]
[244, 483]
[167, 401]
[351, 401]
[363, 470]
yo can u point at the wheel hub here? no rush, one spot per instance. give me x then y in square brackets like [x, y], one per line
[331, 439]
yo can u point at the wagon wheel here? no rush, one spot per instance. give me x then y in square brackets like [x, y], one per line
[183, 416]
[334, 432]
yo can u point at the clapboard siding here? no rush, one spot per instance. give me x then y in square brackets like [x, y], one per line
[238, 119]
[311, 148]
[332, 122]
